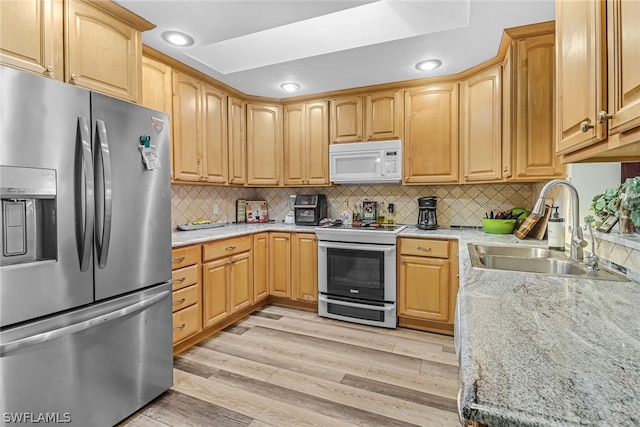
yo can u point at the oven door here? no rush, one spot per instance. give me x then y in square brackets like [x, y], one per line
[359, 271]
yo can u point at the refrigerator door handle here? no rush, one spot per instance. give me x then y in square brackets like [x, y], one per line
[17, 346]
[105, 233]
[86, 192]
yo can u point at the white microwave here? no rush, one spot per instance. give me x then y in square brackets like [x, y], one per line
[366, 162]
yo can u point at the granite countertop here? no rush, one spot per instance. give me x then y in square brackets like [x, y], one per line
[534, 350]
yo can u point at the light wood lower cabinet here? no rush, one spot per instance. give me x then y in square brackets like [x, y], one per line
[428, 284]
[304, 267]
[280, 264]
[186, 292]
[227, 278]
[260, 266]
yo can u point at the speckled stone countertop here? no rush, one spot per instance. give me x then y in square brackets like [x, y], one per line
[534, 350]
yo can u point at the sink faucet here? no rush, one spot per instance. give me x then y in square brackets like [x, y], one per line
[592, 260]
[577, 238]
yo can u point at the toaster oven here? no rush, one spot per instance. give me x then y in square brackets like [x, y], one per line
[309, 209]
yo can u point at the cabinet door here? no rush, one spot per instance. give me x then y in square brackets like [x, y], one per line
[31, 36]
[580, 73]
[424, 288]
[260, 266]
[102, 53]
[507, 114]
[216, 301]
[237, 142]
[294, 144]
[346, 119]
[241, 277]
[304, 267]
[264, 144]
[431, 134]
[534, 150]
[623, 18]
[481, 126]
[384, 115]
[187, 131]
[317, 143]
[280, 265]
[214, 135]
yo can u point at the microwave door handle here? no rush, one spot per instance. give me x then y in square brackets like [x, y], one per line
[85, 191]
[107, 196]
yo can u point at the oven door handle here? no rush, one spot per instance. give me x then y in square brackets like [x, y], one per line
[387, 307]
[357, 246]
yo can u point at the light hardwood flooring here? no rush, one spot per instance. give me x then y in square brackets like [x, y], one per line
[287, 367]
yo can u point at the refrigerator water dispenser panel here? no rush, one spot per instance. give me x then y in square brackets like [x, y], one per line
[28, 215]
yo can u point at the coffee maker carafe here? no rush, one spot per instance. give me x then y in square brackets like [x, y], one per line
[427, 219]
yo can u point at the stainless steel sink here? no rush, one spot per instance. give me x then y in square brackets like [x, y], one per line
[534, 259]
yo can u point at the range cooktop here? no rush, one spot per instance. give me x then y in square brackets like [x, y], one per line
[381, 234]
[380, 227]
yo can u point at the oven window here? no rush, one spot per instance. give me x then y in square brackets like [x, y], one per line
[356, 313]
[355, 273]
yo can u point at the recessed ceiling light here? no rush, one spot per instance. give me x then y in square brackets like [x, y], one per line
[290, 87]
[177, 38]
[429, 64]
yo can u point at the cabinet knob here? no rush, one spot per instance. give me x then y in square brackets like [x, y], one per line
[402, 261]
[585, 126]
[406, 178]
[49, 69]
[73, 77]
[603, 116]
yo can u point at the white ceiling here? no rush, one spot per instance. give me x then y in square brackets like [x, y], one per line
[327, 45]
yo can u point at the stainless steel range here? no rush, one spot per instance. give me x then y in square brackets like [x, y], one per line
[357, 274]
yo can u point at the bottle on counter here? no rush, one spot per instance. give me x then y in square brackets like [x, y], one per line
[555, 231]
[391, 213]
[382, 215]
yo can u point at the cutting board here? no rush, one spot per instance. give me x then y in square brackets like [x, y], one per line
[539, 230]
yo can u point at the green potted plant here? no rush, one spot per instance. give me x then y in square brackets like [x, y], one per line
[630, 207]
[604, 204]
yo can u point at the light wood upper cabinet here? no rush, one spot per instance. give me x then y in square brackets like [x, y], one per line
[346, 119]
[264, 144]
[580, 78]
[304, 266]
[237, 141]
[260, 266]
[280, 265]
[199, 131]
[623, 39]
[481, 126]
[431, 134]
[533, 95]
[306, 144]
[31, 36]
[384, 115]
[102, 51]
[507, 115]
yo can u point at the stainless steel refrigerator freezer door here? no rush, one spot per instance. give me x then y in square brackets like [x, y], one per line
[133, 204]
[90, 367]
[45, 124]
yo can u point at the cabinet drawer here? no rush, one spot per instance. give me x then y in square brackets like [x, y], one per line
[186, 322]
[226, 247]
[185, 297]
[184, 277]
[425, 247]
[181, 257]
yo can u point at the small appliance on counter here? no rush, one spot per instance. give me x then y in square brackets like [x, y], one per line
[427, 219]
[290, 218]
[309, 209]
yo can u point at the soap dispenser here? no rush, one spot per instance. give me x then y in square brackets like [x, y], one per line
[555, 231]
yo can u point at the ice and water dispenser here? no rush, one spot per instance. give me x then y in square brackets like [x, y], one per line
[28, 215]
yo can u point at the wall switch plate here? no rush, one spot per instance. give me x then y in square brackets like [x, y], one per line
[215, 209]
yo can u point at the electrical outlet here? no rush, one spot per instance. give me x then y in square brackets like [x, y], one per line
[215, 209]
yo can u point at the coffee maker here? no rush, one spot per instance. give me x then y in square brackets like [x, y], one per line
[427, 219]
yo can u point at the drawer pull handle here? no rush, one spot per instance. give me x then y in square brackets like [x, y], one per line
[179, 301]
[180, 280]
[229, 248]
[422, 248]
[178, 259]
[179, 328]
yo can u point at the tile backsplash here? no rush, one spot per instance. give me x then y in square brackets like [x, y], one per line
[457, 204]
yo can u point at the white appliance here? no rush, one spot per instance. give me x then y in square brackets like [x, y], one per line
[357, 274]
[366, 162]
[290, 218]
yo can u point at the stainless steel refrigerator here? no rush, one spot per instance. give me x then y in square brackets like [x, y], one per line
[85, 269]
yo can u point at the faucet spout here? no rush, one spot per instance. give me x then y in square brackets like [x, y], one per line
[577, 238]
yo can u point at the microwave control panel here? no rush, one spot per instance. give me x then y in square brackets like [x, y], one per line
[391, 162]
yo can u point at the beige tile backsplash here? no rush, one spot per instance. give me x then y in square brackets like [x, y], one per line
[457, 204]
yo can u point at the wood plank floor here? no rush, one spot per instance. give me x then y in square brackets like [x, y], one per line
[287, 367]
